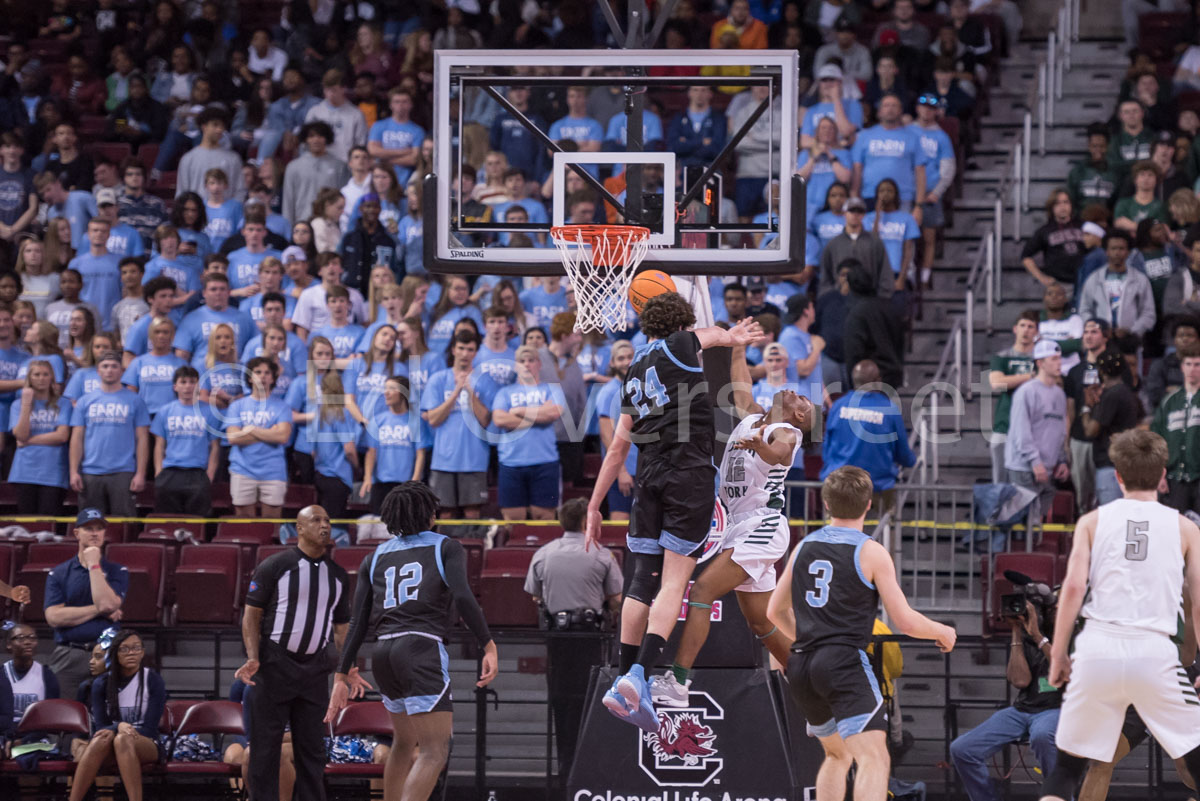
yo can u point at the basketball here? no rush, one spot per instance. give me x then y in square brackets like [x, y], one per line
[648, 284]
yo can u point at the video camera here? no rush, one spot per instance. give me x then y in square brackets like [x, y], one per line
[1012, 605]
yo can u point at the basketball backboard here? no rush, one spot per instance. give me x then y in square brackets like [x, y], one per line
[673, 189]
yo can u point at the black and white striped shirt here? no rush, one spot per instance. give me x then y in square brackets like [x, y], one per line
[301, 599]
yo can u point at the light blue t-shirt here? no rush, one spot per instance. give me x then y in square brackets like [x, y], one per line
[184, 272]
[83, 381]
[394, 135]
[253, 306]
[295, 354]
[329, 456]
[536, 444]
[227, 377]
[243, 266]
[460, 443]
[153, 378]
[895, 228]
[367, 384]
[44, 465]
[123, 240]
[11, 360]
[891, 154]
[935, 146]
[442, 329]
[344, 338]
[110, 421]
[299, 401]
[820, 111]
[501, 365]
[779, 292]
[188, 431]
[821, 178]
[410, 245]
[579, 130]
[196, 327]
[608, 404]
[798, 344]
[78, 208]
[261, 461]
[396, 439]
[57, 366]
[101, 282]
[204, 246]
[652, 128]
[544, 305]
[222, 221]
[825, 226]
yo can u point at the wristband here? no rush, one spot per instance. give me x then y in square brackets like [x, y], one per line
[1045, 641]
[94, 567]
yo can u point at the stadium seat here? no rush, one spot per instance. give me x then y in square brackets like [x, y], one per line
[1160, 31]
[208, 718]
[40, 559]
[591, 467]
[115, 532]
[364, 718]
[208, 585]
[502, 588]
[298, 496]
[114, 151]
[53, 716]
[1041, 567]
[174, 710]
[147, 153]
[474, 552]
[350, 557]
[146, 563]
[613, 535]
[523, 534]
[270, 550]
[249, 535]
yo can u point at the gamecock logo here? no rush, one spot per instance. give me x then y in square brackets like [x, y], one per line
[683, 752]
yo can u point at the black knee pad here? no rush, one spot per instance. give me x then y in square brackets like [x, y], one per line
[1064, 779]
[645, 578]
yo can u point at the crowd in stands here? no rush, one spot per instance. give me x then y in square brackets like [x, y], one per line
[211, 264]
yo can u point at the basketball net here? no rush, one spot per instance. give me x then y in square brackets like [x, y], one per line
[600, 261]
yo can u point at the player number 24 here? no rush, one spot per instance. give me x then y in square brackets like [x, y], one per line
[654, 390]
[410, 581]
[1137, 541]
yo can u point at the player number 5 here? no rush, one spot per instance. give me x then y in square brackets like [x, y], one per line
[823, 572]
[1137, 541]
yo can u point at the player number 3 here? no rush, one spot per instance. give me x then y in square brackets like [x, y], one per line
[1137, 541]
[822, 571]
[410, 581]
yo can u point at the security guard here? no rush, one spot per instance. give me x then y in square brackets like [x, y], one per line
[572, 585]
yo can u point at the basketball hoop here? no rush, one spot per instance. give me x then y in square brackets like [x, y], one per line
[600, 261]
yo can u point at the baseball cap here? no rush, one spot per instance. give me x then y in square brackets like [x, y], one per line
[856, 204]
[369, 197]
[829, 72]
[106, 197]
[90, 515]
[294, 253]
[755, 283]
[843, 23]
[793, 308]
[1093, 229]
[1046, 348]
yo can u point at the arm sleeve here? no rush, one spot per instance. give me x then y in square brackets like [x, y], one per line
[54, 594]
[364, 596]
[533, 581]
[455, 561]
[100, 719]
[154, 707]
[262, 586]
[947, 167]
[1019, 432]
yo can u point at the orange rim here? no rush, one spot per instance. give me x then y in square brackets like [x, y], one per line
[595, 234]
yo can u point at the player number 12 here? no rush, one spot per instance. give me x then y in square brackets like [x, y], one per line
[410, 581]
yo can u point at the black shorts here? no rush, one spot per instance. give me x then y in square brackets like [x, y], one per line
[836, 690]
[413, 673]
[672, 507]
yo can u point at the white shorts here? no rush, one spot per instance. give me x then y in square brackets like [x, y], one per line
[246, 491]
[758, 542]
[1112, 668]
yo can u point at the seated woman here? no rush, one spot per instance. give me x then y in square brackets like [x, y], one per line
[83, 695]
[127, 703]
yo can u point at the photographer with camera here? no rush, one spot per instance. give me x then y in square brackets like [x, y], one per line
[1035, 712]
[572, 587]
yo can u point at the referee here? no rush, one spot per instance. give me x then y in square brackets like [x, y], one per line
[572, 584]
[297, 600]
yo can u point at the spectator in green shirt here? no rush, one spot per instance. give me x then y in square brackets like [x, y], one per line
[1092, 180]
[1177, 420]
[1010, 369]
[1144, 203]
[1133, 140]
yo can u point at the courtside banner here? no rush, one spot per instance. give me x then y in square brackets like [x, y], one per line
[730, 743]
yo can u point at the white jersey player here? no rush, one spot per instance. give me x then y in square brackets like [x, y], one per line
[1129, 565]
[762, 448]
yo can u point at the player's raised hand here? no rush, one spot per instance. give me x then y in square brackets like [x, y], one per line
[946, 639]
[746, 332]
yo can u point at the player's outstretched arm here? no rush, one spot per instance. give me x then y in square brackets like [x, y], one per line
[742, 386]
[779, 608]
[1070, 598]
[879, 569]
[747, 332]
[614, 460]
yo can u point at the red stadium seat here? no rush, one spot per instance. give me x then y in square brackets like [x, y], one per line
[364, 718]
[174, 712]
[114, 151]
[613, 535]
[1160, 31]
[249, 535]
[350, 557]
[40, 559]
[53, 716]
[209, 718]
[147, 153]
[525, 534]
[502, 588]
[270, 550]
[208, 585]
[146, 563]
[115, 532]
[298, 496]
[474, 552]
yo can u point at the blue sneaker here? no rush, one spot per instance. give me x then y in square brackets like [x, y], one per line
[636, 692]
[614, 702]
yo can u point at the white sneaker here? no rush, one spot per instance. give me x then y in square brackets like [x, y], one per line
[667, 691]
